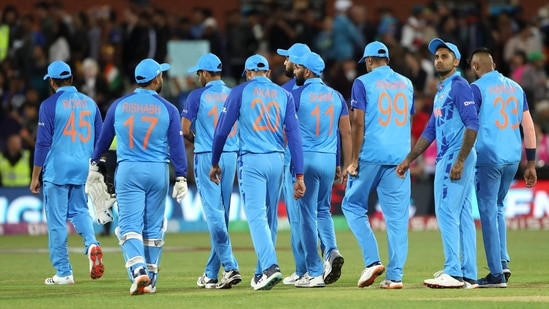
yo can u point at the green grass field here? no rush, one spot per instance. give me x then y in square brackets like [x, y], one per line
[25, 263]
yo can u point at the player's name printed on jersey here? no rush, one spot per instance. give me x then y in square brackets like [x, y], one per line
[320, 97]
[265, 93]
[135, 108]
[502, 89]
[215, 97]
[75, 103]
[382, 84]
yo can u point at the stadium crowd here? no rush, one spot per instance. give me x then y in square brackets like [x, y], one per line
[103, 47]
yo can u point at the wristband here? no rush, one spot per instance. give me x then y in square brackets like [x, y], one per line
[180, 179]
[530, 154]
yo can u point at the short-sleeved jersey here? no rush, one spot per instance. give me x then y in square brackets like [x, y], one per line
[147, 129]
[387, 99]
[263, 110]
[203, 106]
[319, 108]
[69, 123]
[501, 102]
[454, 110]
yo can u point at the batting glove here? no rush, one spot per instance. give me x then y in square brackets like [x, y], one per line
[179, 188]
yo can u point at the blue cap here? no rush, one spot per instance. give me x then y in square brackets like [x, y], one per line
[298, 49]
[148, 69]
[58, 70]
[311, 61]
[437, 43]
[375, 49]
[256, 63]
[207, 62]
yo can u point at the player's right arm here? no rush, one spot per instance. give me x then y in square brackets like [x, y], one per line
[358, 106]
[107, 134]
[530, 143]
[44, 135]
[229, 115]
[188, 114]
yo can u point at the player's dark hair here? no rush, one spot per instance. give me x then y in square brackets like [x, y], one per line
[480, 50]
[146, 84]
[62, 81]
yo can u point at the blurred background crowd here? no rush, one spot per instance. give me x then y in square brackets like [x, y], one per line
[103, 44]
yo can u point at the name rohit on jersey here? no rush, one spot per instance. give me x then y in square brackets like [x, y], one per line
[140, 108]
[75, 103]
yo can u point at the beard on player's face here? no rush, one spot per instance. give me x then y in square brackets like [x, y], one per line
[300, 78]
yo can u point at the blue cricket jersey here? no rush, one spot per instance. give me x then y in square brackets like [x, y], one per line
[454, 110]
[69, 123]
[263, 110]
[501, 102]
[204, 106]
[319, 108]
[387, 99]
[290, 85]
[147, 129]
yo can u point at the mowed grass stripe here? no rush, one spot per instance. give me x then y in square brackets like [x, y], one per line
[26, 264]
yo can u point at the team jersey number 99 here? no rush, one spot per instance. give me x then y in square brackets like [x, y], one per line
[393, 108]
[78, 126]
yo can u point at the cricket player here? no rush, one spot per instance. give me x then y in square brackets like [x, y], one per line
[454, 124]
[503, 108]
[69, 123]
[203, 106]
[382, 104]
[323, 115]
[263, 110]
[148, 135]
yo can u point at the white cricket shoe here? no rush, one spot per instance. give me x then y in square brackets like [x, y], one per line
[310, 282]
[369, 275]
[443, 281]
[291, 279]
[59, 280]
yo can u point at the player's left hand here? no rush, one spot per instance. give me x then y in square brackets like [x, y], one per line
[215, 174]
[179, 188]
[457, 170]
[35, 186]
[530, 176]
[299, 189]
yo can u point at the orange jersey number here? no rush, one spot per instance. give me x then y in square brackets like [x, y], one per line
[74, 129]
[130, 124]
[263, 121]
[511, 102]
[387, 106]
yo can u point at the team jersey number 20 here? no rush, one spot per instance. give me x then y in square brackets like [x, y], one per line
[269, 115]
